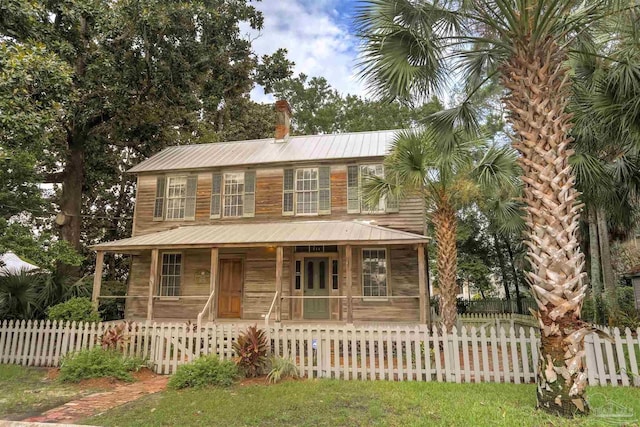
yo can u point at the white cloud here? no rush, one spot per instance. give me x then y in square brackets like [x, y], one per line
[315, 39]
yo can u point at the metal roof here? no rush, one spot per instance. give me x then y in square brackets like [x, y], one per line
[286, 233]
[260, 151]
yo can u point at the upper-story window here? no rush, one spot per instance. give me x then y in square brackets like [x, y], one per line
[356, 177]
[233, 194]
[307, 191]
[175, 197]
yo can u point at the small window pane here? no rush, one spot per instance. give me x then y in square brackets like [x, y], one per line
[298, 268]
[322, 272]
[334, 274]
[309, 277]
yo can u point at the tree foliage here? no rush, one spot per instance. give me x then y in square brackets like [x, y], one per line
[319, 108]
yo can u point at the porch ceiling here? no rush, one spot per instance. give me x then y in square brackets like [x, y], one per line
[285, 233]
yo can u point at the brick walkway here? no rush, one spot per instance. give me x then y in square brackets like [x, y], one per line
[96, 403]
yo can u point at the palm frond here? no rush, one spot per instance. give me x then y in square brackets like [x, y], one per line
[498, 168]
[463, 116]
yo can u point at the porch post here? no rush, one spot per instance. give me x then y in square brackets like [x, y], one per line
[213, 279]
[97, 278]
[348, 265]
[153, 281]
[279, 259]
[425, 311]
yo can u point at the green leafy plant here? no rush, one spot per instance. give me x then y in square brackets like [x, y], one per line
[98, 363]
[76, 309]
[281, 368]
[251, 350]
[205, 371]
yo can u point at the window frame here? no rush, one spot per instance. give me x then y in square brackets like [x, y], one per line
[296, 191]
[223, 193]
[161, 276]
[387, 273]
[360, 210]
[167, 198]
[382, 202]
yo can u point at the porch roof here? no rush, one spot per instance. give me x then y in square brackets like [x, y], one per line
[284, 233]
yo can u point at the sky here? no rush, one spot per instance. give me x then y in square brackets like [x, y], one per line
[318, 35]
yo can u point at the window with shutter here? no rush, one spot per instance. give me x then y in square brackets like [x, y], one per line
[287, 192]
[190, 200]
[158, 208]
[353, 189]
[324, 186]
[216, 190]
[249, 193]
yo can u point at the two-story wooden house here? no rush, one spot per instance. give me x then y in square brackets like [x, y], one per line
[273, 227]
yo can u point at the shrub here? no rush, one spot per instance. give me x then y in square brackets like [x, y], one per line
[98, 363]
[281, 368]
[75, 309]
[116, 337]
[251, 350]
[204, 371]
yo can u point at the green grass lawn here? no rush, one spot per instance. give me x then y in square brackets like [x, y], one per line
[354, 403]
[27, 391]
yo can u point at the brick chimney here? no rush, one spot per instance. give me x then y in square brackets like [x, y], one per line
[283, 120]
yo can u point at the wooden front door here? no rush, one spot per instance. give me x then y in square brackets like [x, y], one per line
[230, 289]
[316, 284]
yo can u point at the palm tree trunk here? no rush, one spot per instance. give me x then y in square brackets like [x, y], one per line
[444, 220]
[594, 261]
[503, 268]
[538, 83]
[594, 255]
[607, 265]
[516, 280]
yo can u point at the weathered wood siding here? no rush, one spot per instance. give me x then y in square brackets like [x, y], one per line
[402, 280]
[258, 289]
[259, 286]
[268, 198]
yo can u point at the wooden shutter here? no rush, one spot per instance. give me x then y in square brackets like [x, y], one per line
[287, 192]
[190, 202]
[353, 189]
[216, 190]
[249, 207]
[158, 208]
[324, 190]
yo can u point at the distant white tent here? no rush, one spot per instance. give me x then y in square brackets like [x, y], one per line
[10, 263]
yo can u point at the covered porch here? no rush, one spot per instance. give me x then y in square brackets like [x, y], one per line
[288, 271]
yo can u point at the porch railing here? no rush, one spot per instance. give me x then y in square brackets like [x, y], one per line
[205, 308]
[268, 315]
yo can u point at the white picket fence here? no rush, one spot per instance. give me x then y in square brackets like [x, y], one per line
[365, 352]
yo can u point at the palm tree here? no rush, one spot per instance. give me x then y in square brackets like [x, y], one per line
[606, 162]
[443, 169]
[412, 47]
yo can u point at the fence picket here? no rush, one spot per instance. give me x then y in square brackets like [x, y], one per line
[631, 350]
[612, 373]
[515, 364]
[620, 359]
[464, 342]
